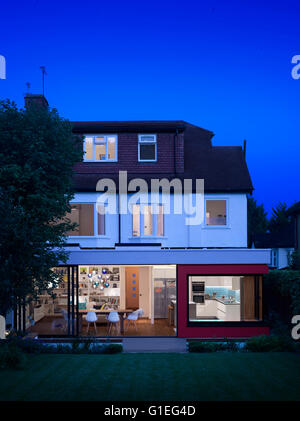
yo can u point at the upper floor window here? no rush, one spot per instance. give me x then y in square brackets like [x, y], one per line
[84, 215]
[146, 221]
[100, 148]
[101, 219]
[147, 148]
[216, 212]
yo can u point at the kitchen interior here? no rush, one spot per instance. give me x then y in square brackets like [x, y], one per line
[214, 298]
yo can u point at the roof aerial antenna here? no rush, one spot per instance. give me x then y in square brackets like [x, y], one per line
[28, 87]
[43, 69]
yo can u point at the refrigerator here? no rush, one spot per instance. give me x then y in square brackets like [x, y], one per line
[164, 292]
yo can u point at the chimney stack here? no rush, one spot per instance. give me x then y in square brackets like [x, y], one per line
[37, 100]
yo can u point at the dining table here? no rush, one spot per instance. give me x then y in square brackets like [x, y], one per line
[121, 312]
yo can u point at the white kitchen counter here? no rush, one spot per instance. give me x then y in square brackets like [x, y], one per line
[217, 308]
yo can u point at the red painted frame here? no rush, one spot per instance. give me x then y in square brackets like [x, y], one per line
[185, 331]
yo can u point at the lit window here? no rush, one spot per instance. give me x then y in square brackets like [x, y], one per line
[83, 215]
[88, 148]
[148, 226]
[147, 148]
[136, 220]
[224, 298]
[160, 220]
[216, 212]
[101, 219]
[100, 148]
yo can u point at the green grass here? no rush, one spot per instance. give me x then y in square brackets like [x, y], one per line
[217, 376]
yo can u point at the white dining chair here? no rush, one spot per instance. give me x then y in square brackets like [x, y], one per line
[133, 317]
[91, 317]
[113, 322]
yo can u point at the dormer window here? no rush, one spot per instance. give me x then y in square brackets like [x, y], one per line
[147, 148]
[100, 148]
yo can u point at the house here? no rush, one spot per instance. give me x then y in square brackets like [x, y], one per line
[281, 244]
[180, 256]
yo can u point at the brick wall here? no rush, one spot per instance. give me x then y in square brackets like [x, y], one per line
[180, 153]
[128, 157]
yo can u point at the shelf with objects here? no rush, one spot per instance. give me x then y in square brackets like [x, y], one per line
[99, 288]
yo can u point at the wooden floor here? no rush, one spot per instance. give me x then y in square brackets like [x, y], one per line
[55, 326]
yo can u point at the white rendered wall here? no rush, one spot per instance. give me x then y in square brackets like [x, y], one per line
[176, 232]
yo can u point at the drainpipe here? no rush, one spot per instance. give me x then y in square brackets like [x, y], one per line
[119, 215]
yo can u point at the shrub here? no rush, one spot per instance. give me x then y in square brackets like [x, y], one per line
[286, 283]
[87, 346]
[77, 346]
[272, 343]
[12, 357]
[197, 346]
[112, 349]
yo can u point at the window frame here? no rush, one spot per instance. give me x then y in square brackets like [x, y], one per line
[274, 258]
[95, 221]
[142, 222]
[76, 204]
[241, 323]
[97, 218]
[226, 200]
[105, 136]
[149, 142]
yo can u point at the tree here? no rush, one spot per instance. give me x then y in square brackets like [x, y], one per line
[257, 219]
[37, 155]
[295, 260]
[279, 218]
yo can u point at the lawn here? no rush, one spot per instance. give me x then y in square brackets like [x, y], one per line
[217, 376]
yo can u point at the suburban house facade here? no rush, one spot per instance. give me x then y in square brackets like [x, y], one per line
[195, 279]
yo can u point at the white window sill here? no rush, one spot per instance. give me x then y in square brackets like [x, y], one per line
[147, 237]
[216, 227]
[100, 161]
[85, 237]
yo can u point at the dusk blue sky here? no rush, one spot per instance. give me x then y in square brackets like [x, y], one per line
[225, 66]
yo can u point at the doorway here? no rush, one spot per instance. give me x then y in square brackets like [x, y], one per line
[132, 287]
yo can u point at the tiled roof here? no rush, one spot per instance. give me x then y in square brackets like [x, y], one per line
[223, 169]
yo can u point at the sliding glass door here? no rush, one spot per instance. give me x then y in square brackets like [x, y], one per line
[52, 314]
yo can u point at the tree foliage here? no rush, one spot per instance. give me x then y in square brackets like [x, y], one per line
[37, 155]
[295, 260]
[279, 218]
[257, 219]
[287, 284]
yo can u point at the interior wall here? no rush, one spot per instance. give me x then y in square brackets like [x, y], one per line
[122, 287]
